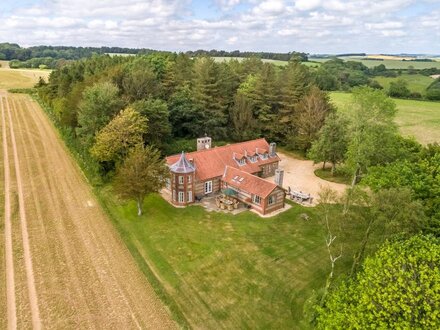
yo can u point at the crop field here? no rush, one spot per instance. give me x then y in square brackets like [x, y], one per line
[420, 119]
[64, 264]
[229, 272]
[389, 64]
[416, 82]
[20, 78]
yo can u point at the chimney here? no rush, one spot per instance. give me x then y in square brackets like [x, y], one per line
[272, 149]
[279, 176]
[204, 143]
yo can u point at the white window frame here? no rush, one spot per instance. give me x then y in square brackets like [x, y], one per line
[189, 197]
[181, 197]
[181, 180]
[272, 200]
[189, 178]
[208, 187]
[242, 162]
[256, 199]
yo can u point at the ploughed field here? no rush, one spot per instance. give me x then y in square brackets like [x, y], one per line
[65, 265]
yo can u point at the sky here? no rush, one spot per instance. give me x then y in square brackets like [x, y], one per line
[312, 26]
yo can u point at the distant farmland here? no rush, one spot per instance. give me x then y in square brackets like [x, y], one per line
[275, 62]
[416, 82]
[389, 64]
[420, 119]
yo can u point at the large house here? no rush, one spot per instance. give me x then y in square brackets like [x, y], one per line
[238, 167]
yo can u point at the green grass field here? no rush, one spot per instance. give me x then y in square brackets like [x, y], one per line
[416, 82]
[389, 64]
[230, 272]
[420, 119]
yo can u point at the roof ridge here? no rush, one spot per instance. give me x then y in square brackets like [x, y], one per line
[223, 146]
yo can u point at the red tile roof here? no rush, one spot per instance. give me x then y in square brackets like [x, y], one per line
[247, 182]
[211, 163]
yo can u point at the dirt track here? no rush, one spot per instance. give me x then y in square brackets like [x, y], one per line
[67, 266]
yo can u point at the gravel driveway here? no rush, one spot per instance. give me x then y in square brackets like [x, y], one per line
[299, 176]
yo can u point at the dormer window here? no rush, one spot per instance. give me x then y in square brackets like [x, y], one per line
[240, 159]
[264, 156]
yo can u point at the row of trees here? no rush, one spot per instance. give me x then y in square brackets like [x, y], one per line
[11, 51]
[264, 55]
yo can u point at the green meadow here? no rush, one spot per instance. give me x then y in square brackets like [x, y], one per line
[416, 82]
[420, 119]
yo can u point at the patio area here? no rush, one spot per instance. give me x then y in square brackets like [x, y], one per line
[223, 203]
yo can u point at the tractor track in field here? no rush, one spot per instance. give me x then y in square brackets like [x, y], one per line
[79, 272]
[33, 300]
[9, 265]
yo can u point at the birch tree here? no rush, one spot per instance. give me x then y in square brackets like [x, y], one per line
[327, 197]
[142, 173]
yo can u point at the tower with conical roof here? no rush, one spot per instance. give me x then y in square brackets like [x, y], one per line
[182, 181]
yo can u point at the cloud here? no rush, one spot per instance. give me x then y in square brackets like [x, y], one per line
[307, 4]
[384, 26]
[316, 26]
[393, 33]
[269, 8]
[232, 40]
[227, 4]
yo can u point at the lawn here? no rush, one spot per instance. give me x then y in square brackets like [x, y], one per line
[225, 271]
[420, 119]
[416, 82]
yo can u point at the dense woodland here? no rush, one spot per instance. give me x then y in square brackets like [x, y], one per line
[334, 74]
[124, 112]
